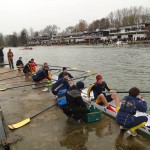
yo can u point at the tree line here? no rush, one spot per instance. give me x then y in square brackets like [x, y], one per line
[121, 17]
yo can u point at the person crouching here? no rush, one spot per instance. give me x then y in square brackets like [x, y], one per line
[76, 108]
[41, 75]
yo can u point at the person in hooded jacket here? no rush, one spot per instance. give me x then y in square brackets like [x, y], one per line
[126, 114]
[41, 75]
[76, 108]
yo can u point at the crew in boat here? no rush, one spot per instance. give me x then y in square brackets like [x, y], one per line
[99, 88]
[126, 112]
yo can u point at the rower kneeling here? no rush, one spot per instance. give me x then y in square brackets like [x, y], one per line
[75, 108]
[126, 114]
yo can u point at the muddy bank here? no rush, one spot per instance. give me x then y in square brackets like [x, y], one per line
[51, 130]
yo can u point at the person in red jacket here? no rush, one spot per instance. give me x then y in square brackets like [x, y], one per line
[33, 65]
[10, 59]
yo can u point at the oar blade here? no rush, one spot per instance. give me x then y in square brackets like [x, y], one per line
[19, 124]
[3, 89]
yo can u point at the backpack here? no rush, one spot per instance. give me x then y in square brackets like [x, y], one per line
[61, 102]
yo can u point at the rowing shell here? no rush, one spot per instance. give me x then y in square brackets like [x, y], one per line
[145, 129]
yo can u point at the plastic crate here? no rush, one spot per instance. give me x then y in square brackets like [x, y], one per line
[94, 115]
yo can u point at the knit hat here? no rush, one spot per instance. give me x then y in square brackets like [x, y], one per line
[98, 77]
[80, 85]
[64, 68]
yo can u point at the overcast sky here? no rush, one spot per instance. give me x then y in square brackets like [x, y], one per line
[18, 14]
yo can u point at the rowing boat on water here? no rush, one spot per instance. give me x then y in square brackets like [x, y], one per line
[144, 129]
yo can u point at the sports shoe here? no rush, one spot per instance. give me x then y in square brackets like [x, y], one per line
[132, 133]
[45, 90]
[122, 128]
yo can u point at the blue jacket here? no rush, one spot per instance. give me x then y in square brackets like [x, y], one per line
[62, 83]
[39, 75]
[129, 106]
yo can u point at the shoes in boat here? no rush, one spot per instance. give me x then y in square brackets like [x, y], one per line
[45, 90]
[122, 128]
[110, 108]
[132, 133]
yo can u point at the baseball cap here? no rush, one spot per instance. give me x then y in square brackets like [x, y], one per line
[98, 77]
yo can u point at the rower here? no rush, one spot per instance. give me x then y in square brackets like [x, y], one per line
[42, 76]
[75, 108]
[126, 115]
[98, 89]
[27, 70]
[19, 64]
[64, 71]
[33, 66]
[60, 84]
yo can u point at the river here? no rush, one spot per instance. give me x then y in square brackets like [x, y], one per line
[121, 67]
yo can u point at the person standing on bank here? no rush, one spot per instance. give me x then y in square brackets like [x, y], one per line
[1, 55]
[129, 105]
[10, 59]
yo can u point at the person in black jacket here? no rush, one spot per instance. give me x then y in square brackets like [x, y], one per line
[64, 71]
[19, 64]
[1, 55]
[76, 108]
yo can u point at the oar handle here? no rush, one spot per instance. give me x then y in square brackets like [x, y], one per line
[128, 91]
[43, 111]
[11, 77]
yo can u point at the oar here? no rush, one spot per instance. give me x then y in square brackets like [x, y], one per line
[9, 71]
[25, 121]
[16, 82]
[128, 91]
[79, 70]
[18, 86]
[11, 77]
[85, 76]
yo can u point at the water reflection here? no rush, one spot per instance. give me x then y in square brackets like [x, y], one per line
[128, 143]
[75, 139]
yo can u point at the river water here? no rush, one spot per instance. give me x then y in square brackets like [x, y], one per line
[121, 67]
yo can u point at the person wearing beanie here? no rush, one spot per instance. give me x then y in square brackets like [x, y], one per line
[64, 71]
[76, 108]
[99, 88]
[126, 115]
